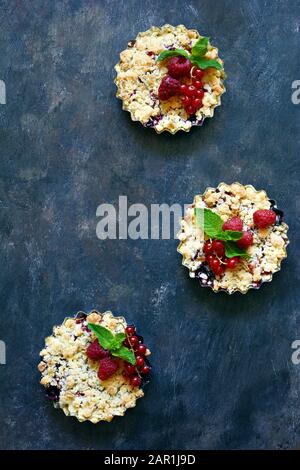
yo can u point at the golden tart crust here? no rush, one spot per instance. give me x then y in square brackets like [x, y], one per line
[266, 253]
[139, 76]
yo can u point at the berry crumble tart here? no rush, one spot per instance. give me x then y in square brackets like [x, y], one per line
[170, 78]
[233, 238]
[94, 366]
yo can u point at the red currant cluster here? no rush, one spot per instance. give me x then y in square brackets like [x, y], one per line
[135, 372]
[191, 90]
[216, 259]
[192, 95]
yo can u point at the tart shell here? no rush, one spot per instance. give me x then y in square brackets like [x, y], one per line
[197, 121]
[186, 261]
[70, 377]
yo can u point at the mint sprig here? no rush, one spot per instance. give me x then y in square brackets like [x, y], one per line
[212, 225]
[197, 57]
[113, 343]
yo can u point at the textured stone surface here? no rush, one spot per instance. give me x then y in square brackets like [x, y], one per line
[223, 371]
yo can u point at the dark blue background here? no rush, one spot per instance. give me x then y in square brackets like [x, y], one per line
[223, 376]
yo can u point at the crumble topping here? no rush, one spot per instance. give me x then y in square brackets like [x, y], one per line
[66, 368]
[266, 253]
[139, 76]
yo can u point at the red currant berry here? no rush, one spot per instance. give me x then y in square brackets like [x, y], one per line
[199, 93]
[209, 258]
[218, 247]
[126, 343]
[145, 370]
[208, 248]
[129, 368]
[232, 262]
[183, 89]
[197, 84]
[130, 330]
[191, 91]
[190, 109]
[186, 101]
[215, 265]
[140, 361]
[134, 341]
[198, 73]
[136, 381]
[197, 103]
[141, 349]
[219, 271]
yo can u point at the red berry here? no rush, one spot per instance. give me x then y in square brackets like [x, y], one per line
[107, 367]
[219, 271]
[134, 341]
[218, 247]
[141, 349]
[136, 381]
[183, 89]
[169, 87]
[139, 361]
[197, 103]
[130, 330]
[129, 368]
[208, 248]
[235, 224]
[186, 101]
[264, 218]
[210, 258]
[232, 262]
[95, 351]
[179, 67]
[215, 265]
[197, 84]
[145, 370]
[190, 109]
[246, 240]
[199, 93]
[198, 73]
[191, 91]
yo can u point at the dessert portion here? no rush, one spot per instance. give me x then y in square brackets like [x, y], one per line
[233, 238]
[170, 78]
[94, 366]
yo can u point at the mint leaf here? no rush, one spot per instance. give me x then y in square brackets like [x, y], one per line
[203, 63]
[210, 222]
[230, 235]
[124, 353]
[200, 48]
[105, 336]
[176, 52]
[231, 250]
[118, 340]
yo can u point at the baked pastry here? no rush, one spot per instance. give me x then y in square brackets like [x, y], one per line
[233, 238]
[94, 366]
[170, 78]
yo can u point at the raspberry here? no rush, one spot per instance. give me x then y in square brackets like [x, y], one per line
[169, 87]
[246, 240]
[179, 67]
[264, 218]
[107, 367]
[95, 351]
[235, 224]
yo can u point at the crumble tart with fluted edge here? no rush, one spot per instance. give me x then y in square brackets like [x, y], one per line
[71, 377]
[140, 74]
[253, 259]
